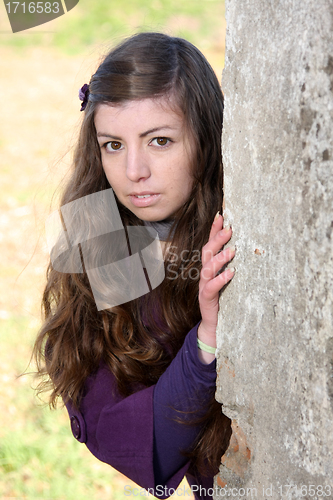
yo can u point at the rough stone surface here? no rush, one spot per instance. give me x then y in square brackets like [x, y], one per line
[275, 331]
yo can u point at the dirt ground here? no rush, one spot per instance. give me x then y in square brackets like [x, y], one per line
[39, 113]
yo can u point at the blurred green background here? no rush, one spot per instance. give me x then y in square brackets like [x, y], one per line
[41, 71]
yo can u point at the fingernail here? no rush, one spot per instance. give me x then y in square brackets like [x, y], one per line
[232, 269]
[226, 228]
[217, 216]
[233, 248]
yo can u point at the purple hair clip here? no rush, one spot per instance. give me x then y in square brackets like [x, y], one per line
[84, 95]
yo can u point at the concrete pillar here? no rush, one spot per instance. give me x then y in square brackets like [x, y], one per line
[275, 331]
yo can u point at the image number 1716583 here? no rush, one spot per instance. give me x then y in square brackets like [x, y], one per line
[25, 15]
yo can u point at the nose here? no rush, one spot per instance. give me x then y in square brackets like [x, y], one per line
[137, 165]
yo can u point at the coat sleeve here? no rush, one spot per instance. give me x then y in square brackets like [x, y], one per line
[181, 395]
[120, 431]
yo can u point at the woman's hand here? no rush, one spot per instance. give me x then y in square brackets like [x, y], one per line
[210, 284]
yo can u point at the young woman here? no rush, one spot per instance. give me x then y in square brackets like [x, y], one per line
[138, 378]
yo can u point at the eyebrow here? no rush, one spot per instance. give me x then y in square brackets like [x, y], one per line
[144, 134]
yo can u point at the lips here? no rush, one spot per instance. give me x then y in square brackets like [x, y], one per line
[144, 199]
[144, 193]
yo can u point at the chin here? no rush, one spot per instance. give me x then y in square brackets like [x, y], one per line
[150, 215]
[152, 218]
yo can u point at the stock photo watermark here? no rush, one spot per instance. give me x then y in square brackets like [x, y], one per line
[282, 491]
[88, 235]
[188, 491]
[25, 15]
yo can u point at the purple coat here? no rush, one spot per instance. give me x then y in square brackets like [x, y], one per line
[138, 435]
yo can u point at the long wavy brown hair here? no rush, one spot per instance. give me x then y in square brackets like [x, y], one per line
[78, 336]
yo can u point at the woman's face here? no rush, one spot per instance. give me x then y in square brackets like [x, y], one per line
[146, 155]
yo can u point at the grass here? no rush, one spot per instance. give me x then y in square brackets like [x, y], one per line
[105, 21]
[42, 460]
[39, 458]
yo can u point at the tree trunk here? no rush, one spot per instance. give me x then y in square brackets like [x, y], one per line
[275, 331]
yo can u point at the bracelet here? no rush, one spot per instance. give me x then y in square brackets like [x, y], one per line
[206, 348]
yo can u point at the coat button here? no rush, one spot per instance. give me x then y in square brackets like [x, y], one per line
[75, 426]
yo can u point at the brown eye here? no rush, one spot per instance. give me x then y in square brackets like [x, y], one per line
[162, 141]
[113, 145]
